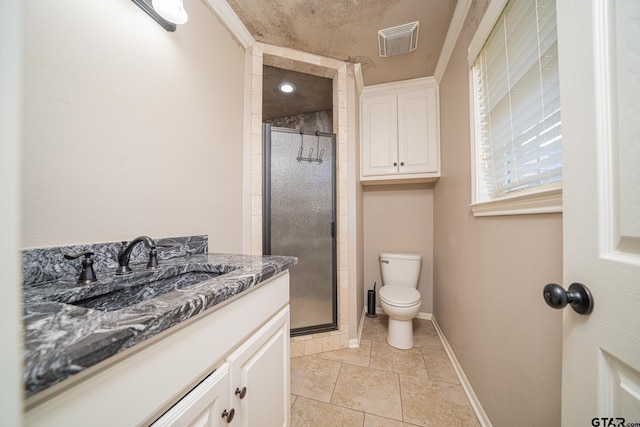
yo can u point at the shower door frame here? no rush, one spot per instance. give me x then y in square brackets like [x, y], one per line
[266, 220]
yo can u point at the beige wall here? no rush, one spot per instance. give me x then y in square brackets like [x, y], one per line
[129, 129]
[399, 218]
[488, 278]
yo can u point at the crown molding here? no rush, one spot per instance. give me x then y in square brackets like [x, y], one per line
[450, 40]
[232, 22]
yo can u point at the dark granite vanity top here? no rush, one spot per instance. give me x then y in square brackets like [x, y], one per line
[70, 327]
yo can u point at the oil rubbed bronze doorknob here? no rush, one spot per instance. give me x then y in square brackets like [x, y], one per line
[228, 415]
[578, 297]
[241, 393]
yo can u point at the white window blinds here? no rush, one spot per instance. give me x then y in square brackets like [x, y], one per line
[517, 100]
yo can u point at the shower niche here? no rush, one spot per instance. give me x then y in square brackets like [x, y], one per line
[299, 219]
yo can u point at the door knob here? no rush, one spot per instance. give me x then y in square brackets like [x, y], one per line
[578, 297]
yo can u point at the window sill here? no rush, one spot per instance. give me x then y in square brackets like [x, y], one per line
[548, 200]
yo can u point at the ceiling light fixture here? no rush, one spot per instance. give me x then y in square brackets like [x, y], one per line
[287, 87]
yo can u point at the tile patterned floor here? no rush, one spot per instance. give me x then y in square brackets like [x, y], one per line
[377, 385]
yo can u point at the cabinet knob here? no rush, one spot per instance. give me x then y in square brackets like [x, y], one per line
[395, 163]
[401, 163]
[228, 415]
[241, 393]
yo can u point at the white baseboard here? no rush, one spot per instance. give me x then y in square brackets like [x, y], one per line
[421, 315]
[425, 316]
[464, 381]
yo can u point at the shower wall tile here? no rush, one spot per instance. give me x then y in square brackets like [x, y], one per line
[256, 185]
[312, 346]
[331, 343]
[296, 348]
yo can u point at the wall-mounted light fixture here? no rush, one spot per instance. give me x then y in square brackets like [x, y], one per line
[167, 13]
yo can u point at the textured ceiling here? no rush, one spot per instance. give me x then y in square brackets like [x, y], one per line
[312, 93]
[347, 30]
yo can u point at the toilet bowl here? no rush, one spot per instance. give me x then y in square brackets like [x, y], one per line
[399, 297]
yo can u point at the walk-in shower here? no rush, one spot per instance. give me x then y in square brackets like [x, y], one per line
[299, 219]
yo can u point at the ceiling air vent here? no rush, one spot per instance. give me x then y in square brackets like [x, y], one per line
[397, 40]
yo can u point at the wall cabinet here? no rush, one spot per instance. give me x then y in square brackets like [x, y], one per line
[400, 132]
[189, 374]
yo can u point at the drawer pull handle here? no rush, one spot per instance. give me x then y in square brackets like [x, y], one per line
[241, 393]
[228, 415]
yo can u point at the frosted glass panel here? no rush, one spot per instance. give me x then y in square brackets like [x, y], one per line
[302, 214]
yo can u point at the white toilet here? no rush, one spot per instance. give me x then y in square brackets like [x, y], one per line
[399, 297]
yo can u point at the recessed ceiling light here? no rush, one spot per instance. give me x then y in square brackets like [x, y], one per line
[287, 87]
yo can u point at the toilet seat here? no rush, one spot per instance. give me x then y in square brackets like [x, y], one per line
[399, 296]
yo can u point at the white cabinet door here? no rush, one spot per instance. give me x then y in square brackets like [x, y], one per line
[418, 131]
[260, 376]
[207, 405]
[379, 135]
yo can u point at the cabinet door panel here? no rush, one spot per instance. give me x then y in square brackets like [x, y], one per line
[262, 366]
[417, 131]
[203, 406]
[380, 135]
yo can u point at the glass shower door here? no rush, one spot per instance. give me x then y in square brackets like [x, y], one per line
[299, 212]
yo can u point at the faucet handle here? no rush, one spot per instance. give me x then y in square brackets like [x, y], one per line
[153, 253]
[87, 274]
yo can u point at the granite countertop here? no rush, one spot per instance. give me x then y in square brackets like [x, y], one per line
[64, 336]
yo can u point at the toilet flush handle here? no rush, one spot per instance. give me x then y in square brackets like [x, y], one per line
[384, 261]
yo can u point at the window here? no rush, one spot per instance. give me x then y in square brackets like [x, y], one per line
[515, 97]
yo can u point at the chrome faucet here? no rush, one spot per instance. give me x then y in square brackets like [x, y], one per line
[125, 253]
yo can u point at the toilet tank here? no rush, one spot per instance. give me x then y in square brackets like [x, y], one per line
[400, 269]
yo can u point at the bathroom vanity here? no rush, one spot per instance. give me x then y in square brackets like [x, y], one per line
[214, 351]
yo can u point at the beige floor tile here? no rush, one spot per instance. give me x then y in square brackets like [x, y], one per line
[376, 421]
[423, 326]
[425, 335]
[387, 358]
[311, 413]
[435, 403]
[375, 328]
[293, 399]
[439, 366]
[313, 377]
[428, 341]
[369, 390]
[356, 356]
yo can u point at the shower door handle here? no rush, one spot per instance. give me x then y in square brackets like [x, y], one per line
[333, 229]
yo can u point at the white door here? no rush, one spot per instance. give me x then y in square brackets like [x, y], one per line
[599, 51]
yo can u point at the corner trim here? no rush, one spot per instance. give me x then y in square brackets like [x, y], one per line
[355, 342]
[357, 70]
[232, 22]
[464, 381]
[450, 40]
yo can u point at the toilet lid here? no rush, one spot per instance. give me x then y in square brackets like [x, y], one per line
[399, 295]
